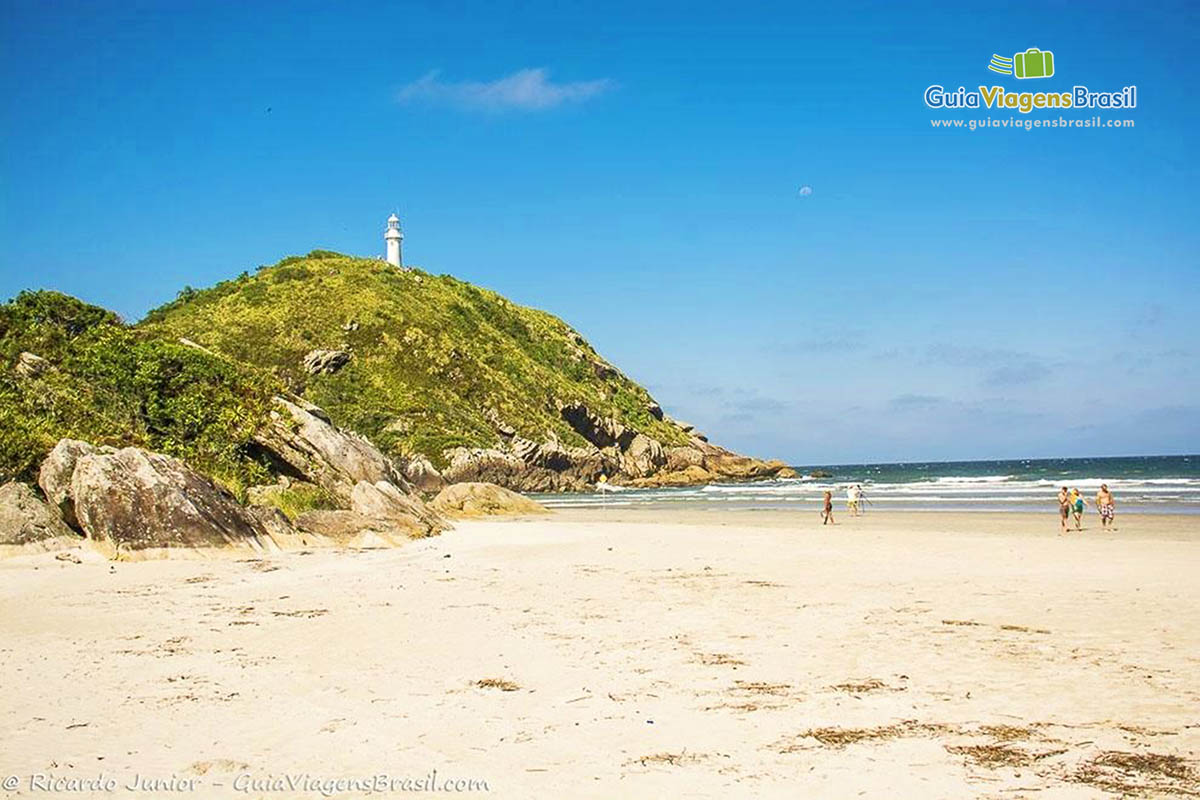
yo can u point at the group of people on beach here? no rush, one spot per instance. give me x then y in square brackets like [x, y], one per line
[856, 503]
[1071, 503]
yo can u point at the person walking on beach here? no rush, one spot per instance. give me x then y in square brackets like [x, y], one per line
[1064, 508]
[1077, 505]
[1106, 506]
[852, 500]
[827, 514]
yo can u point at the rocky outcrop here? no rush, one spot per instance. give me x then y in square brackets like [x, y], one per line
[30, 365]
[528, 466]
[680, 458]
[688, 476]
[615, 452]
[466, 500]
[422, 475]
[502, 467]
[352, 529]
[54, 476]
[133, 500]
[644, 456]
[26, 519]
[275, 523]
[327, 362]
[300, 439]
[599, 431]
[382, 500]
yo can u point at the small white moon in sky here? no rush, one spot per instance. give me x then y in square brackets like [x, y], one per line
[805, 190]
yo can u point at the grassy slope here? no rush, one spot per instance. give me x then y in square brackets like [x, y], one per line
[111, 384]
[431, 353]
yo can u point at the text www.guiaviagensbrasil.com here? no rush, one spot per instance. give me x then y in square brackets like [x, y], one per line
[1021, 124]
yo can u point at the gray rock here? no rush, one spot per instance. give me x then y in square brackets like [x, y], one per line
[680, 458]
[504, 468]
[468, 464]
[54, 476]
[31, 366]
[422, 475]
[352, 529]
[383, 500]
[326, 362]
[597, 430]
[644, 456]
[483, 499]
[549, 454]
[274, 522]
[301, 438]
[132, 500]
[26, 518]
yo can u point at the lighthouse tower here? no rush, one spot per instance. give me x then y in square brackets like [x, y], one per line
[393, 237]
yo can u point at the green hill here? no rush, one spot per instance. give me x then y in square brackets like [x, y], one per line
[454, 382]
[434, 363]
[72, 370]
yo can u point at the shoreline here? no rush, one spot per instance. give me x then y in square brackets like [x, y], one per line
[1170, 527]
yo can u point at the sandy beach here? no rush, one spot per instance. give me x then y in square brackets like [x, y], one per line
[598, 654]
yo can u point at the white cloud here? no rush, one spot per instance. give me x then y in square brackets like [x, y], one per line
[526, 90]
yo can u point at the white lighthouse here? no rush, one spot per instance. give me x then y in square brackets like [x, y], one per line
[392, 236]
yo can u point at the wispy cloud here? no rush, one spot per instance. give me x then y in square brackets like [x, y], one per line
[1003, 367]
[904, 402]
[835, 342]
[524, 90]
[1017, 374]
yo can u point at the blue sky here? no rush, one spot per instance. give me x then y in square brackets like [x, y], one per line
[941, 294]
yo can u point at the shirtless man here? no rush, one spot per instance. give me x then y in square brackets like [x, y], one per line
[827, 513]
[1106, 506]
[1064, 508]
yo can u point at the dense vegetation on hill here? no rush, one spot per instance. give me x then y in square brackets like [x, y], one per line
[94, 378]
[435, 362]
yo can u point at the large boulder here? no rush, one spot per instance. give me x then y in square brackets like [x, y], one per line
[54, 476]
[575, 465]
[464, 500]
[352, 529]
[644, 456]
[30, 365]
[688, 476]
[301, 439]
[383, 500]
[26, 519]
[274, 522]
[575, 468]
[133, 500]
[326, 362]
[422, 475]
[680, 458]
[599, 431]
[476, 464]
[732, 465]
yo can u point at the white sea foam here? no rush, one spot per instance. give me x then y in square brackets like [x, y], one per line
[981, 492]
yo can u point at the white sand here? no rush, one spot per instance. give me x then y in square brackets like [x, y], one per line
[653, 660]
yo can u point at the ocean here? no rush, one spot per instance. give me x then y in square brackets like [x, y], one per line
[1140, 484]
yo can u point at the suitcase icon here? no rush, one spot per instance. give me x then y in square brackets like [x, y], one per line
[1033, 63]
